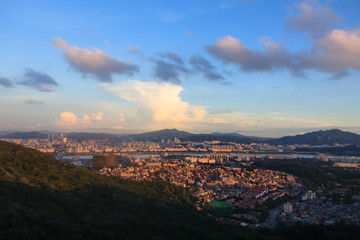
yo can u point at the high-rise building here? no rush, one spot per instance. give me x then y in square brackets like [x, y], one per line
[288, 208]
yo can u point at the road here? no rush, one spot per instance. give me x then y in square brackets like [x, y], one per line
[273, 214]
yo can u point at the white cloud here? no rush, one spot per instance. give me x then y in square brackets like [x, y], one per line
[343, 42]
[95, 63]
[338, 49]
[159, 104]
[69, 119]
[93, 118]
[122, 117]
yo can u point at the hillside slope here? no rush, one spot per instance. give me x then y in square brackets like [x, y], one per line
[42, 198]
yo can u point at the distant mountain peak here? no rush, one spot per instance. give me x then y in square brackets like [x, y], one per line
[158, 135]
[322, 137]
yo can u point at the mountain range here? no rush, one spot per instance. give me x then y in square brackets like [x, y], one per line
[327, 137]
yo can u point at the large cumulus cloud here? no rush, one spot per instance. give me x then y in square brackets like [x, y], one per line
[158, 104]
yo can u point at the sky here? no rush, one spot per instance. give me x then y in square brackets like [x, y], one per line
[254, 67]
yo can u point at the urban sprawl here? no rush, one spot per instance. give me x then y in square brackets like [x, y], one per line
[217, 174]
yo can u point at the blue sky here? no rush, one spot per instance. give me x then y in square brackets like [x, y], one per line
[264, 68]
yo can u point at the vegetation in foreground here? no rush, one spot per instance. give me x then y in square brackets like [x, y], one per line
[42, 198]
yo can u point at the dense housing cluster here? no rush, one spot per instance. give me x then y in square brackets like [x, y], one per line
[242, 187]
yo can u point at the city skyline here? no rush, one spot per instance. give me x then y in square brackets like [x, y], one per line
[251, 67]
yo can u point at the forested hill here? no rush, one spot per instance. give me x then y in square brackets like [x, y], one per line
[157, 136]
[42, 198]
[328, 137]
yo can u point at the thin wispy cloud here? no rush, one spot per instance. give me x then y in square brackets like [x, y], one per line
[32, 101]
[202, 65]
[136, 50]
[5, 82]
[172, 56]
[94, 63]
[170, 67]
[189, 33]
[168, 15]
[168, 71]
[313, 18]
[38, 80]
[227, 4]
[219, 6]
[224, 110]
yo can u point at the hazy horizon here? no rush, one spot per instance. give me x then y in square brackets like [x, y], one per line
[139, 132]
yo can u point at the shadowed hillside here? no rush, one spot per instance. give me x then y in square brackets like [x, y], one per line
[42, 198]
